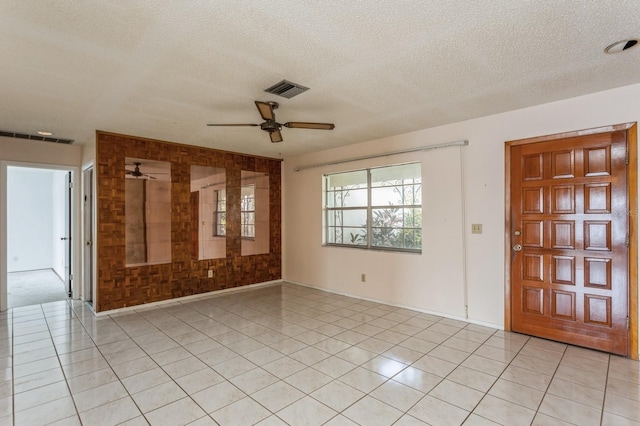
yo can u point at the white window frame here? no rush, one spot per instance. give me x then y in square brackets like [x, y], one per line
[370, 209]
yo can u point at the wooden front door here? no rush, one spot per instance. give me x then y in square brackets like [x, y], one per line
[569, 241]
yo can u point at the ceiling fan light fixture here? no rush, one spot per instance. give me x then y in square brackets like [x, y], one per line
[621, 46]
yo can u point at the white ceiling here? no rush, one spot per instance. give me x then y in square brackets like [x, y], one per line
[164, 68]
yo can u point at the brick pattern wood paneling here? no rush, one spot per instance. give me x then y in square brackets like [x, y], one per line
[119, 286]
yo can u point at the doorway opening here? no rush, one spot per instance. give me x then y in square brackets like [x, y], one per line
[38, 235]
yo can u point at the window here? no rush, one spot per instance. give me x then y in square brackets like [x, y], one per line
[378, 208]
[220, 214]
[247, 212]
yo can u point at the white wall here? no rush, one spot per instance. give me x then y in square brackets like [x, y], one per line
[30, 219]
[433, 281]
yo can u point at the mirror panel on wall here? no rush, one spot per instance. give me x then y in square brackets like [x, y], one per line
[147, 212]
[208, 212]
[254, 213]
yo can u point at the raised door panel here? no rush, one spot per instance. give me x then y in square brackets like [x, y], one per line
[563, 164]
[563, 305]
[597, 273]
[533, 300]
[533, 200]
[533, 234]
[597, 235]
[532, 167]
[563, 270]
[597, 198]
[597, 161]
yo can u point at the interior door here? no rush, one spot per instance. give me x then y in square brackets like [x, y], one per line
[67, 237]
[569, 241]
[87, 224]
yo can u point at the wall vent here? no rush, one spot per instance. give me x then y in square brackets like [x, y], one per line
[18, 135]
[286, 89]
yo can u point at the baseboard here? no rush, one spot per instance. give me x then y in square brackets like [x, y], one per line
[397, 305]
[208, 295]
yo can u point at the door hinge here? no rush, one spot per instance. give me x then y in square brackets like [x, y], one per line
[627, 323]
[626, 158]
[70, 277]
[626, 240]
[70, 185]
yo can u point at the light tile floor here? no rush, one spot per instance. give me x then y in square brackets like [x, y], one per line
[286, 354]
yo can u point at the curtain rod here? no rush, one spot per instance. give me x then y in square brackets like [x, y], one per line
[385, 154]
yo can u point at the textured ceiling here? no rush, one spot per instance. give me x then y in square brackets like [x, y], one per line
[163, 69]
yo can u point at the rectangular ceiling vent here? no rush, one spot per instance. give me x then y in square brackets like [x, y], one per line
[18, 135]
[286, 89]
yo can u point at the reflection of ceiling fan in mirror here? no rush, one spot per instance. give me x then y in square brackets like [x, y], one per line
[136, 173]
[271, 126]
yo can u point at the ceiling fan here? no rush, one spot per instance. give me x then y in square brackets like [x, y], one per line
[271, 126]
[138, 174]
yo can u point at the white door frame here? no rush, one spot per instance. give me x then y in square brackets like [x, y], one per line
[75, 227]
[84, 238]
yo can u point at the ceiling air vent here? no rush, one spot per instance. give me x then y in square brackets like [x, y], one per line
[286, 89]
[18, 135]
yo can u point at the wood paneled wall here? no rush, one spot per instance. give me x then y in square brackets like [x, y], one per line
[119, 286]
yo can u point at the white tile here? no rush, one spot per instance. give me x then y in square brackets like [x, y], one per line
[334, 366]
[145, 380]
[457, 394]
[306, 412]
[91, 380]
[417, 379]
[503, 412]
[179, 412]
[308, 380]
[40, 395]
[363, 380]
[100, 395]
[217, 396]
[134, 367]
[437, 412]
[372, 412]
[309, 355]
[158, 396]
[184, 367]
[33, 381]
[517, 393]
[245, 412]
[46, 413]
[200, 380]
[284, 367]
[254, 380]
[384, 366]
[277, 396]
[397, 395]
[234, 367]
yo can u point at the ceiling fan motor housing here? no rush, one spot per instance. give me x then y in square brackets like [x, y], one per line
[271, 126]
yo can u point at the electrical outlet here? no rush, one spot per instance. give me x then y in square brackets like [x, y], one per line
[210, 273]
[476, 228]
[363, 278]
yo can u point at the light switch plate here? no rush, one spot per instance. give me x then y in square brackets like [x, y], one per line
[476, 228]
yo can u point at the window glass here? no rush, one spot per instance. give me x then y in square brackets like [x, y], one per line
[378, 208]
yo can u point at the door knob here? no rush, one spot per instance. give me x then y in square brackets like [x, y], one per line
[517, 247]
